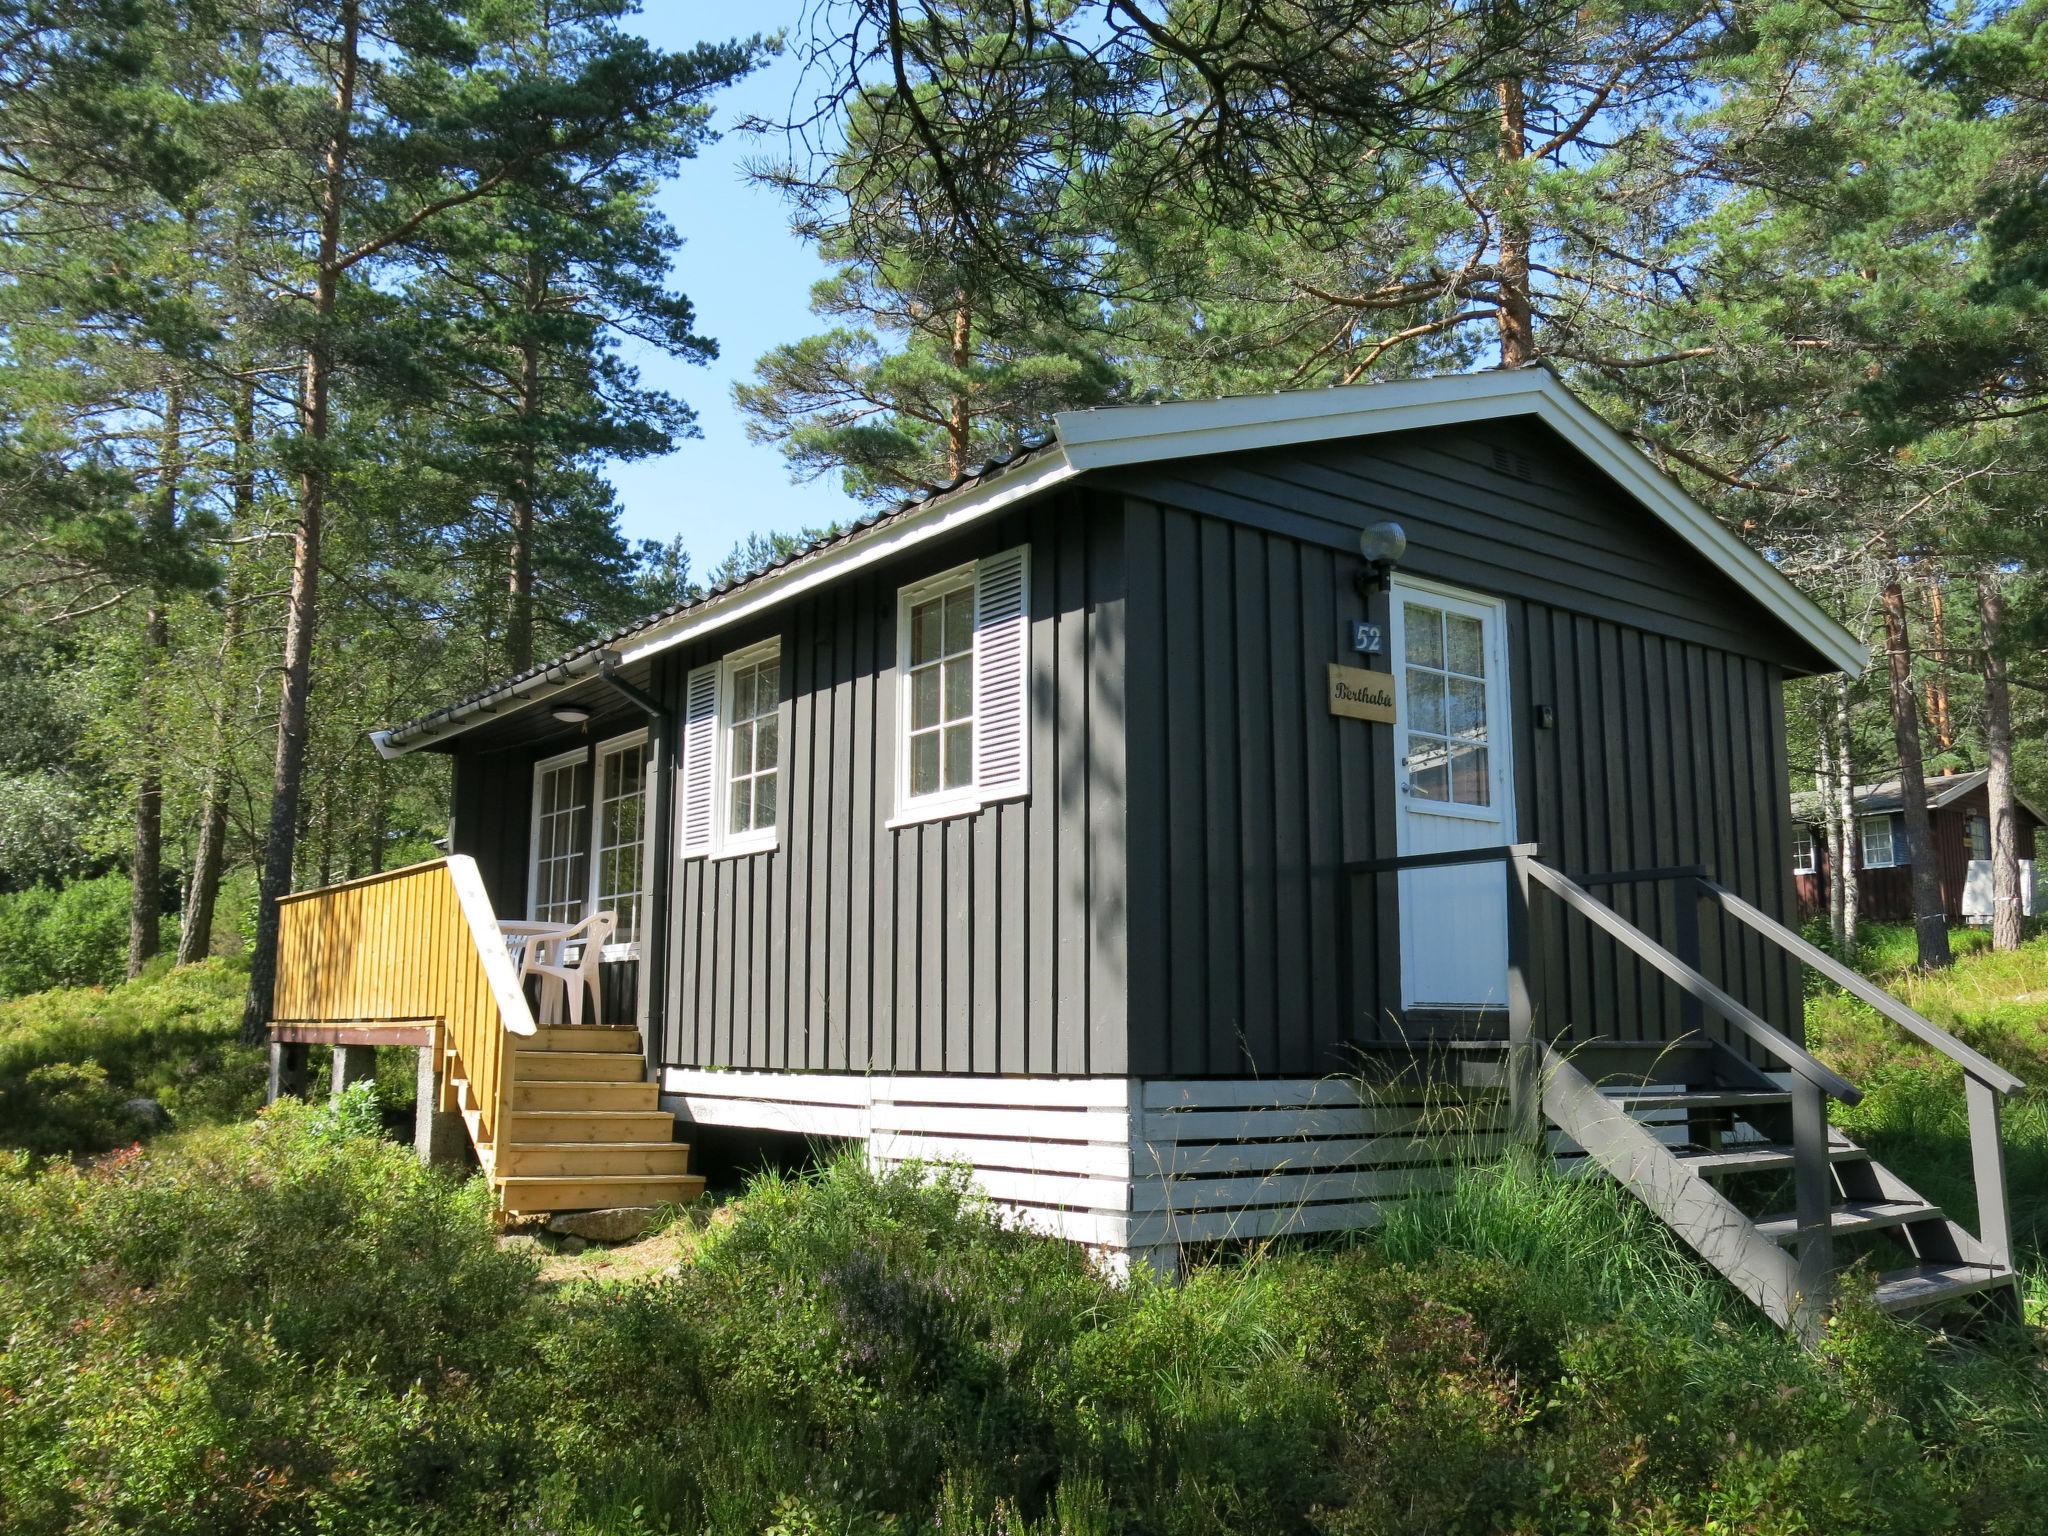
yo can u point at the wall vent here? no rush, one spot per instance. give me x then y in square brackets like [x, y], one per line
[1512, 464]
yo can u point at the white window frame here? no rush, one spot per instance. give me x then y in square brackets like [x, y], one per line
[912, 808]
[1891, 844]
[725, 843]
[609, 747]
[572, 759]
[1808, 862]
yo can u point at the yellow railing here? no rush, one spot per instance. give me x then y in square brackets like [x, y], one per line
[412, 945]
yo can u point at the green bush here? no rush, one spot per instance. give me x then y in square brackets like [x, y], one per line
[69, 1057]
[75, 937]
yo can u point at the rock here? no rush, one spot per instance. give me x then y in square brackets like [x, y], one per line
[620, 1224]
[573, 1246]
[147, 1115]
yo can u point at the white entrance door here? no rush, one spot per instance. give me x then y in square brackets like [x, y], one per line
[1453, 775]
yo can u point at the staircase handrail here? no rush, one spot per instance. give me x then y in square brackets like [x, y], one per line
[1865, 991]
[1690, 981]
[386, 946]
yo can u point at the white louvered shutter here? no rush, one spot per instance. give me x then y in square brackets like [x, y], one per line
[700, 763]
[1002, 673]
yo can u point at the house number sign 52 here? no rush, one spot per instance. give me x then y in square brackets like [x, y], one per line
[1365, 637]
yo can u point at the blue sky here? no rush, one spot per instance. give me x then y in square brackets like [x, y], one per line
[750, 280]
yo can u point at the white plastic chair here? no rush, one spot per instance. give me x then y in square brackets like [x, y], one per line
[548, 958]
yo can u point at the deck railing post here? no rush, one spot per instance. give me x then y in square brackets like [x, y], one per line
[1814, 1198]
[1987, 1156]
[1524, 1052]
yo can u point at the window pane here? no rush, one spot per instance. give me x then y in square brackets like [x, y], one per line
[765, 742]
[1430, 780]
[1469, 782]
[743, 748]
[1465, 650]
[764, 801]
[768, 689]
[924, 698]
[1425, 701]
[959, 689]
[924, 763]
[1423, 635]
[924, 633]
[742, 804]
[959, 620]
[743, 693]
[1468, 709]
[959, 756]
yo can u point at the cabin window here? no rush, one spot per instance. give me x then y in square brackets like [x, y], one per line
[733, 728]
[1444, 693]
[752, 694]
[558, 883]
[621, 833]
[1803, 862]
[963, 704]
[1879, 847]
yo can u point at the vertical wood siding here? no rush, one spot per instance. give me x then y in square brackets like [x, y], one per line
[1251, 952]
[985, 943]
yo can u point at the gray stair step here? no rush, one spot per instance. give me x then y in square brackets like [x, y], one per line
[1761, 1157]
[1926, 1285]
[1704, 1098]
[1853, 1217]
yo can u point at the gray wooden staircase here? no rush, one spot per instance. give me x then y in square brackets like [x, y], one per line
[1708, 1143]
[1740, 1161]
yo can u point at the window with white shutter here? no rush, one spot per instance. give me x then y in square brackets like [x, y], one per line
[730, 791]
[964, 698]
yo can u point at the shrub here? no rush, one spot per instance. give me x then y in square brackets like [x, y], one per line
[280, 1327]
[173, 1037]
[75, 937]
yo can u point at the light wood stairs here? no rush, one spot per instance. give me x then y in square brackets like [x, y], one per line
[1708, 1142]
[584, 1129]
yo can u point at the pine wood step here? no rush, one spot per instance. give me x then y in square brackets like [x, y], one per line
[584, 1037]
[592, 1159]
[532, 1125]
[1760, 1157]
[1849, 1219]
[552, 1095]
[530, 1196]
[579, 1067]
[1927, 1285]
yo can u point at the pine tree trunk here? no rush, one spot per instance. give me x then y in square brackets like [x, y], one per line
[1939, 719]
[1930, 921]
[525, 491]
[145, 864]
[1516, 311]
[280, 839]
[1845, 818]
[2006, 911]
[1830, 823]
[195, 940]
[959, 421]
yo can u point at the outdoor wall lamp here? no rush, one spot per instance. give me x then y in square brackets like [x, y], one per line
[1383, 545]
[572, 716]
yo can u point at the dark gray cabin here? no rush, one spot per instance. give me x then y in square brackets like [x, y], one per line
[1159, 822]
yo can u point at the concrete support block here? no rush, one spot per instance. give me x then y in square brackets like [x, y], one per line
[287, 1071]
[352, 1064]
[439, 1136]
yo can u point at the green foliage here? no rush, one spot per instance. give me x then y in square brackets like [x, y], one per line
[853, 1353]
[69, 1058]
[43, 829]
[76, 937]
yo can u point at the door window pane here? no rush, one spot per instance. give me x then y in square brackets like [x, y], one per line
[622, 783]
[560, 876]
[1465, 644]
[1423, 629]
[1445, 706]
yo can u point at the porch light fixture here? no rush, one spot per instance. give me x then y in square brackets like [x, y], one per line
[572, 716]
[1383, 545]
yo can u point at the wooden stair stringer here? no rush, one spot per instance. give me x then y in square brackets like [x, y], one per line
[1709, 1223]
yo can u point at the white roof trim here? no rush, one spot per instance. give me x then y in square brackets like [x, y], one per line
[1143, 434]
[1138, 434]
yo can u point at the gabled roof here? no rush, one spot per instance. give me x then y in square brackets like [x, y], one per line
[1878, 799]
[1113, 436]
